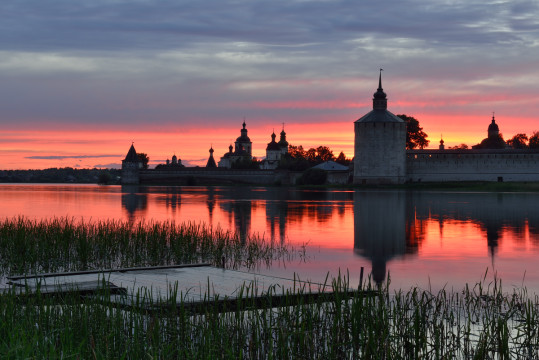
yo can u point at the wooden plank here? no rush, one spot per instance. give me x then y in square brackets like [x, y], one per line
[78, 288]
[200, 288]
[17, 277]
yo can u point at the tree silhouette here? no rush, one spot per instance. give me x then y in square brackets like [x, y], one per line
[311, 155]
[518, 141]
[459, 147]
[341, 159]
[323, 153]
[415, 136]
[300, 159]
[144, 159]
[534, 141]
[296, 152]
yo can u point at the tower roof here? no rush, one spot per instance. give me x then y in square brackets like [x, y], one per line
[379, 112]
[381, 116]
[132, 155]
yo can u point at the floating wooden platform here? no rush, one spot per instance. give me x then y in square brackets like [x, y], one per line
[194, 288]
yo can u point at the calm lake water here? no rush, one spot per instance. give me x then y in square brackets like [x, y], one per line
[422, 238]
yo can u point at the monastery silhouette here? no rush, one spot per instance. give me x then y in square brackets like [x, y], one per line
[380, 157]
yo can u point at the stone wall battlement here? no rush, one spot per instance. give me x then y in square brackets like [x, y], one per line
[472, 165]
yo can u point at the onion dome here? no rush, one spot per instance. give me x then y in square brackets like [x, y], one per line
[211, 161]
[282, 142]
[273, 145]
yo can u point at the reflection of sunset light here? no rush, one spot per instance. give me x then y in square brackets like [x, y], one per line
[442, 239]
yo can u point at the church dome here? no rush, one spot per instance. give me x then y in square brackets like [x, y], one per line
[282, 142]
[273, 145]
[493, 126]
[493, 129]
[243, 137]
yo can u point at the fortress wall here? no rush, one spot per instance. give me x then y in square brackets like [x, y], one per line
[472, 165]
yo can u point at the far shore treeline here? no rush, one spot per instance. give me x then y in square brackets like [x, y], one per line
[62, 175]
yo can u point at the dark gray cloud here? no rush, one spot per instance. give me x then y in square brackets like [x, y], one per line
[32, 25]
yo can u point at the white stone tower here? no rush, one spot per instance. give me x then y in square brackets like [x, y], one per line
[380, 144]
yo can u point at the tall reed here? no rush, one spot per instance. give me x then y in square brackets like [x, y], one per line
[66, 244]
[476, 323]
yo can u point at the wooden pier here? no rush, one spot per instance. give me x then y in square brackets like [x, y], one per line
[194, 288]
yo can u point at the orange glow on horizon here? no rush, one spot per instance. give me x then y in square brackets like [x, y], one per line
[76, 147]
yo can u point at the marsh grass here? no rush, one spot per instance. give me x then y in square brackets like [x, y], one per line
[64, 244]
[476, 323]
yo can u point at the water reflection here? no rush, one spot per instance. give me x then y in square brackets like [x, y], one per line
[382, 230]
[134, 202]
[382, 227]
[389, 225]
[413, 235]
[239, 211]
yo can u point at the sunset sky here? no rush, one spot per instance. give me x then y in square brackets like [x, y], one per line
[80, 81]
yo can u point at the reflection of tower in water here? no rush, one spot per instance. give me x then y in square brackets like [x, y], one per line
[173, 198]
[210, 203]
[493, 230]
[134, 202]
[240, 209]
[276, 213]
[380, 229]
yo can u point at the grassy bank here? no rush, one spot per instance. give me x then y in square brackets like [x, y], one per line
[477, 323]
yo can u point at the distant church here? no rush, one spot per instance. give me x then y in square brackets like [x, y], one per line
[242, 150]
[275, 151]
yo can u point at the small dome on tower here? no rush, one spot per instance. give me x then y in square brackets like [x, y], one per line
[493, 129]
[273, 145]
[211, 161]
[282, 142]
[493, 126]
[379, 99]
